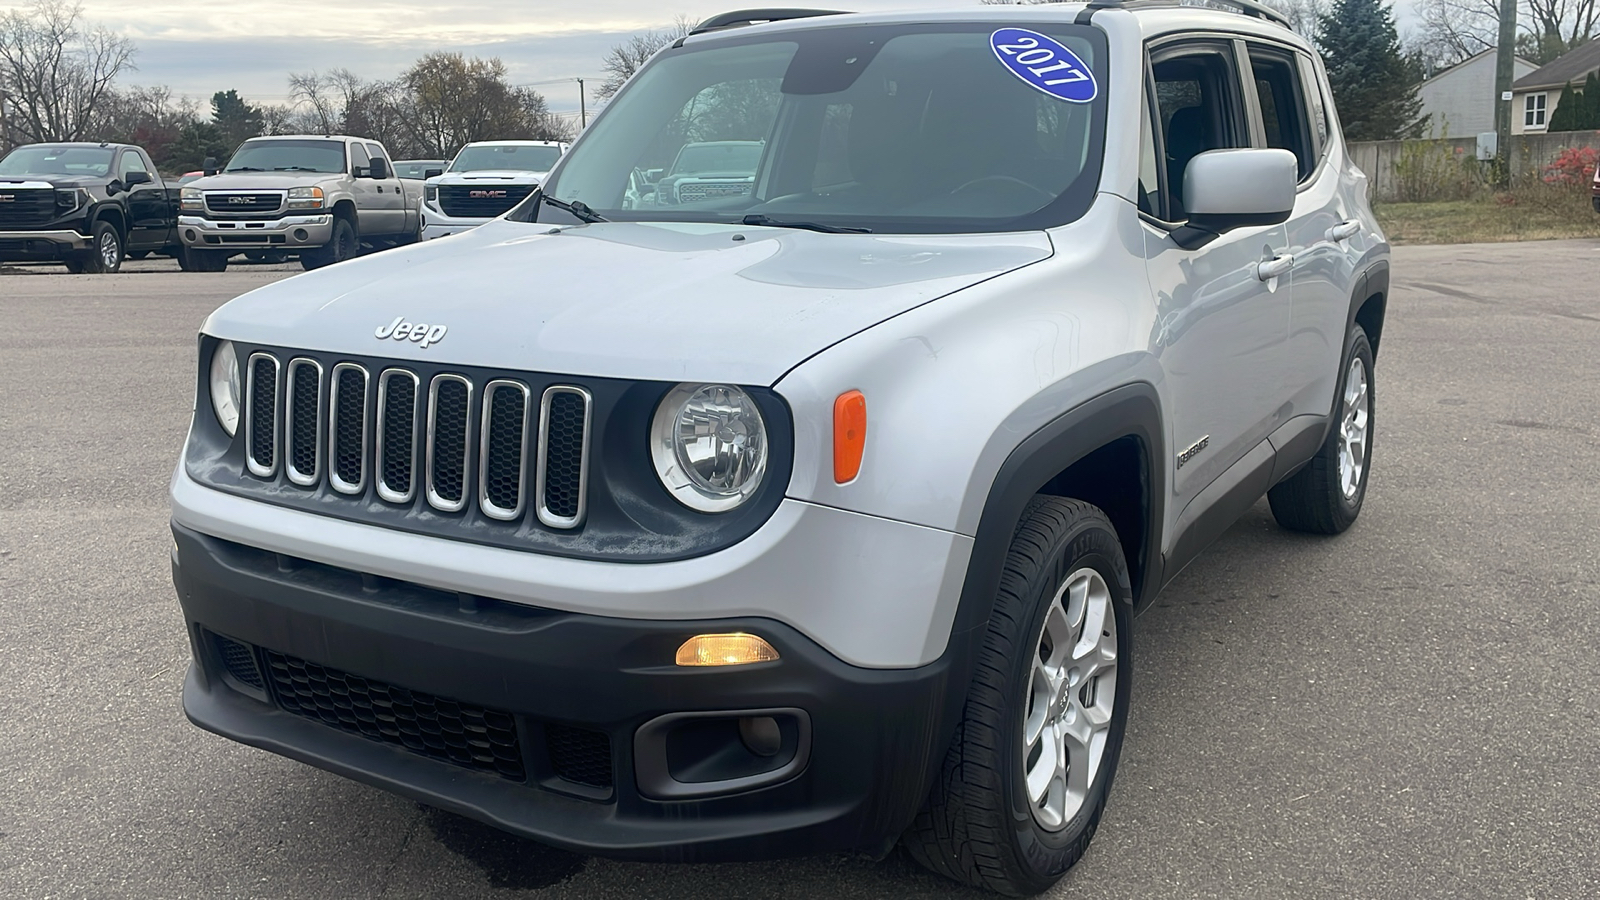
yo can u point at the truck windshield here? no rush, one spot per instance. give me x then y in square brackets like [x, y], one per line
[288, 156]
[46, 160]
[914, 127]
[506, 157]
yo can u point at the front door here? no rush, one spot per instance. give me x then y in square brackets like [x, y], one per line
[149, 208]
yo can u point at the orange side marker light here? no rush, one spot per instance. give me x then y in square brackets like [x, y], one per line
[849, 435]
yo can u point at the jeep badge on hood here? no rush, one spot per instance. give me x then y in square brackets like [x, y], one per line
[401, 330]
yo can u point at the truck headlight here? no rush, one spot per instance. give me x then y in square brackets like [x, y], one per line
[225, 386]
[192, 200]
[68, 200]
[305, 198]
[430, 193]
[709, 444]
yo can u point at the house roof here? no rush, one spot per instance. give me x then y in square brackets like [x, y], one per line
[1481, 53]
[1574, 65]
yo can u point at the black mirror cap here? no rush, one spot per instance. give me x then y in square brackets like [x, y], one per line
[136, 178]
[378, 169]
[209, 166]
[432, 173]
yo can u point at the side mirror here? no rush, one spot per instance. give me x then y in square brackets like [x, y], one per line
[432, 173]
[379, 168]
[210, 165]
[136, 178]
[1228, 189]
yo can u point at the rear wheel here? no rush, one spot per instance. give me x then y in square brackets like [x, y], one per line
[1026, 777]
[1325, 496]
[343, 245]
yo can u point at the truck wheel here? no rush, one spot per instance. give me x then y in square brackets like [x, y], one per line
[138, 254]
[191, 260]
[105, 250]
[1026, 776]
[1325, 496]
[341, 246]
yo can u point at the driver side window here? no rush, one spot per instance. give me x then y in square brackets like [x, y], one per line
[1199, 107]
[130, 162]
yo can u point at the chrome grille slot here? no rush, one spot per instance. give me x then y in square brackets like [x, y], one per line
[303, 422]
[563, 471]
[397, 435]
[503, 457]
[348, 437]
[261, 415]
[449, 424]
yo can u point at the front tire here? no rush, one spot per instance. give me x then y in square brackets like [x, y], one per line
[343, 245]
[203, 260]
[1027, 775]
[1325, 496]
[106, 251]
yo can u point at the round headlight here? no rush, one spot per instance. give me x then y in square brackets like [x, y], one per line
[225, 386]
[709, 444]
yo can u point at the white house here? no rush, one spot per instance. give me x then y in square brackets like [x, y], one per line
[1536, 95]
[1460, 100]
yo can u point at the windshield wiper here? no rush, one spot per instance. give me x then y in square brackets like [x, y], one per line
[577, 208]
[758, 219]
[295, 169]
[244, 169]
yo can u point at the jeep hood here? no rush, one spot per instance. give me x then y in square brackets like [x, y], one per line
[653, 301]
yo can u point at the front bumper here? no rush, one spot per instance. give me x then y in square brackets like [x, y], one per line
[436, 224]
[287, 233]
[872, 737]
[21, 245]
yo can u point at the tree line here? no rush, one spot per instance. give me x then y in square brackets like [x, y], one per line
[59, 81]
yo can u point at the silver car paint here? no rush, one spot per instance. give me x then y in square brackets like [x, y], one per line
[1026, 327]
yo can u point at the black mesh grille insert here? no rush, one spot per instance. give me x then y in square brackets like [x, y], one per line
[449, 439]
[579, 755]
[303, 424]
[481, 200]
[473, 737]
[502, 473]
[564, 454]
[399, 423]
[349, 424]
[27, 206]
[263, 411]
[243, 203]
[239, 659]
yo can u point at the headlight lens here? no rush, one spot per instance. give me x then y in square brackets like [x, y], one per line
[431, 193]
[709, 444]
[68, 200]
[191, 199]
[225, 386]
[305, 198]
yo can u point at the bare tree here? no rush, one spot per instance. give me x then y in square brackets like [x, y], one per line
[1453, 30]
[56, 71]
[627, 57]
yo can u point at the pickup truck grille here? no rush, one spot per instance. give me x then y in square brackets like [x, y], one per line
[239, 203]
[483, 201]
[503, 448]
[26, 206]
[708, 190]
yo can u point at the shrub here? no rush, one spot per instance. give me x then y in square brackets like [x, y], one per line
[1573, 167]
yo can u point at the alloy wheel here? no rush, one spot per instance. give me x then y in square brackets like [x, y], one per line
[1353, 424]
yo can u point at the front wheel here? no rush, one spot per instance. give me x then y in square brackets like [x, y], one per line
[1027, 775]
[1326, 495]
[343, 245]
[105, 250]
[192, 260]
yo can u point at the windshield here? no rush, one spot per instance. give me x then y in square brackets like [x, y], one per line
[510, 157]
[417, 168]
[932, 127]
[288, 156]
[94, 161]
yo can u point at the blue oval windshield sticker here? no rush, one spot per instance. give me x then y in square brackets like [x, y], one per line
[1044, 64]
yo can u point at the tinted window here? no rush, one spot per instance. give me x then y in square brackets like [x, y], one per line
[45, 160]
[1198, 99]
[130, 162]
[1283, 116]
[358, 158]
[288, 156]
[509, 157]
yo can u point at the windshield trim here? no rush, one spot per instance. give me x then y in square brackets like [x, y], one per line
[1069, 206]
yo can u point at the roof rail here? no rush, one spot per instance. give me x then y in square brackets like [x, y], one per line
[740, 18]
[1243, 7]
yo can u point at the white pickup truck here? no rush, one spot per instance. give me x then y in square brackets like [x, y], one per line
[485, 180]
[319, 196]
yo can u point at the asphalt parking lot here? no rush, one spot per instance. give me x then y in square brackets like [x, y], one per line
[1409, 710]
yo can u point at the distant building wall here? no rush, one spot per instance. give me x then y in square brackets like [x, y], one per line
[1460, 100]
[1529, 154]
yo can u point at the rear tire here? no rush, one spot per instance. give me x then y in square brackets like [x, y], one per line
[1026, 777]
[1325, 496]
[343, 245]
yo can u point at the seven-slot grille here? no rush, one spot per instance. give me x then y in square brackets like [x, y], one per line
[27, 206]
[481, 200]
[454, 443]
[244, 202]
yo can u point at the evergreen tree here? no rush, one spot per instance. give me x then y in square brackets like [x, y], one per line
[1578, 109]
[1374, 88]
[235, 119]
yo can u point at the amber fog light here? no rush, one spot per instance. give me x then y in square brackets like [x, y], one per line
[736, 649]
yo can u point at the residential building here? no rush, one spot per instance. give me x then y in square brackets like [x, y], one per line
[1460, 100]
[1534, 96]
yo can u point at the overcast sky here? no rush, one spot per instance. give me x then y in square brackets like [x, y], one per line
[251, 47]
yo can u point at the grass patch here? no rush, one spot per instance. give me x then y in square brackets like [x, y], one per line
[1532, 213]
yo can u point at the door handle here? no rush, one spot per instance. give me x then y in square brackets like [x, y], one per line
[1344, 230]
[1272, 268]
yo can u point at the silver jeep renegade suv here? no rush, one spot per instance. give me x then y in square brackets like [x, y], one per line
[815, 515]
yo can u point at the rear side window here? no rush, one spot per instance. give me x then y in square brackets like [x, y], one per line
[1283, 108]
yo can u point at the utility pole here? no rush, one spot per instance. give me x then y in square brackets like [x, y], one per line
[1504, 66]
[583, 111]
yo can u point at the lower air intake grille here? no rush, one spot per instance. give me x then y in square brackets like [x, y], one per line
[472, 737]
[240, 660]
[579, 755]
